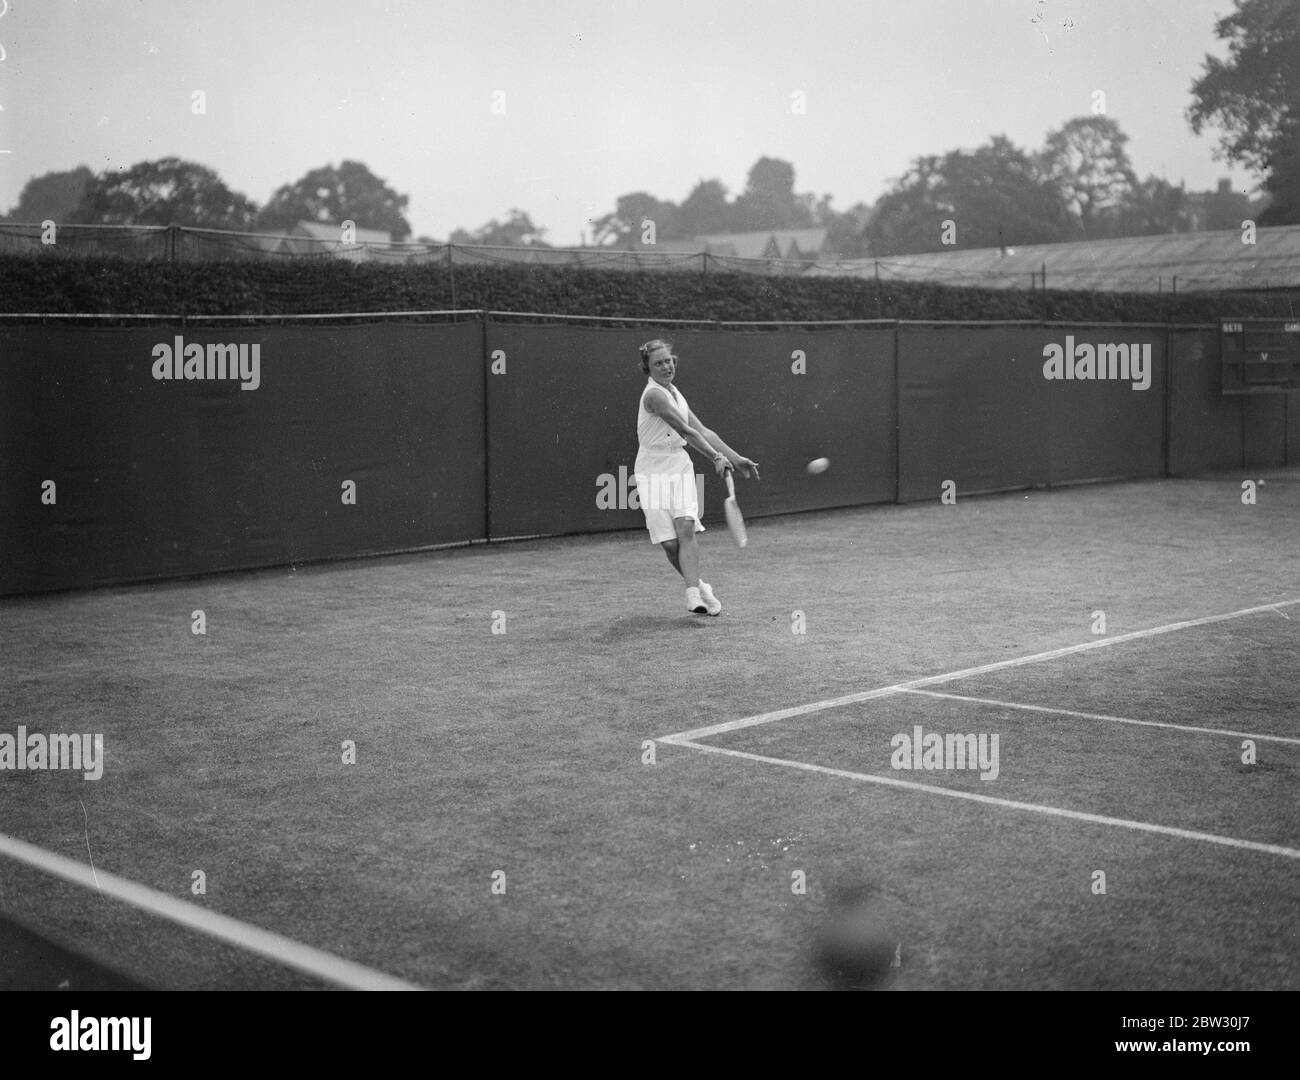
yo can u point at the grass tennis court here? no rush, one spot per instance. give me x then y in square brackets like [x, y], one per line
[521, 752]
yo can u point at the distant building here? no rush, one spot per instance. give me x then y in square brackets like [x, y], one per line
[765, 244]
[1225, 260]
[316, 238]
[1222, 208]
[796, 245]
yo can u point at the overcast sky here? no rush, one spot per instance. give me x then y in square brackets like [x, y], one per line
[602, 97]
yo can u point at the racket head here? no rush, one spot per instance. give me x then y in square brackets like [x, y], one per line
[735, 521]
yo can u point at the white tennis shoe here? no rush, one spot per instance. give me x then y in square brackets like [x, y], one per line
[694, 603]
[712, 604]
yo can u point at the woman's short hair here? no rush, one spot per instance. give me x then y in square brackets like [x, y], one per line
[649, 347]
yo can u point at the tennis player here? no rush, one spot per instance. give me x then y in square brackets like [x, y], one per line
[665, 478]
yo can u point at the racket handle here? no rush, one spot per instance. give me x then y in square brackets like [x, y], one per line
[731, 485]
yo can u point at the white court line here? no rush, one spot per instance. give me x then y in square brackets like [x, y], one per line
[1103, 716]
[283, 950]
[681, 737]
[1054, 811]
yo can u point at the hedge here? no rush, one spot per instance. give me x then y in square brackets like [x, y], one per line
[41, 283]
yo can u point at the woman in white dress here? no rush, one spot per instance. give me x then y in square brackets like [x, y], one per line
[665, 478]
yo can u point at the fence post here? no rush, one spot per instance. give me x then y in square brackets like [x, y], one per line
[484, 359]
[898, 421]
[1167, 435]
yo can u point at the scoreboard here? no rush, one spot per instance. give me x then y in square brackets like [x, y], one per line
[1259, 356]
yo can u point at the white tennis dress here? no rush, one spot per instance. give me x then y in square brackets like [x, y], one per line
[665, 475]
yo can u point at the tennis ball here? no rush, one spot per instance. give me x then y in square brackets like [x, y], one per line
[819, 465]
[856, 948]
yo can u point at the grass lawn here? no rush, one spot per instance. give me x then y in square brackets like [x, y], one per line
[521, 752]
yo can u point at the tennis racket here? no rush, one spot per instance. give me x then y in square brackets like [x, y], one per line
[735, 522]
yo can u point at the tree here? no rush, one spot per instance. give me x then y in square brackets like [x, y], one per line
[349, 193]
[164, 192]
[632, 212]
[1086, 159]
[1283, 185]
[1154, 207]
[846, 233]
[908, 217]
[704, 211]
[53, 197]
[819, 211]
[1253, 97]
[769, 201]
[993, 196]
[517, 230]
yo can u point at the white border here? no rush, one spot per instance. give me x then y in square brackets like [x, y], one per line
[283, 950]
[1104, 716]
[690, 739]
[682, 737]
[1054, 811]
